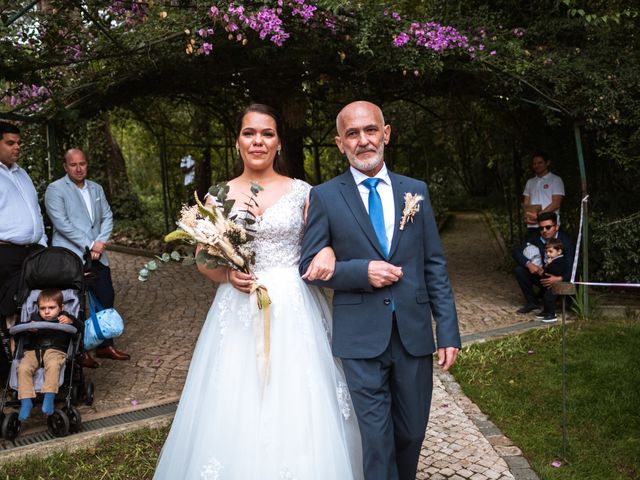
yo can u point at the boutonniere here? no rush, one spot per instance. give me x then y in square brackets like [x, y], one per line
[411, 207]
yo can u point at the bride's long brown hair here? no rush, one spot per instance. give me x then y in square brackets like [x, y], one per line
[279, 165]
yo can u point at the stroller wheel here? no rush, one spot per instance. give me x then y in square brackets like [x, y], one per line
[58, 424]
[11, 426]
[75, 420]
[88, 393]
[75, 394]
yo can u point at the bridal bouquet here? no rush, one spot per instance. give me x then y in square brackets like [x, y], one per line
[222, 235]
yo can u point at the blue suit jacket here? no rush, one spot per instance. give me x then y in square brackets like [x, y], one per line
[362, 315]
[72, 225]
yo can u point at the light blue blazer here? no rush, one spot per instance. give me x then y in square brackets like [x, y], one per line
[72, 225]
[362, 315]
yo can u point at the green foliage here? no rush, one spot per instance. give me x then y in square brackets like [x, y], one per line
[518, 384]
[616, 252]
[122, 457]
[585, 309]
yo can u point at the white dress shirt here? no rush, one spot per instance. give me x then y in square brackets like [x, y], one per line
[20, 216]
[385, 190]
[86, 196]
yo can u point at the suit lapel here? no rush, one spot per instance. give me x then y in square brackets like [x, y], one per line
[351, 195]
[398, 198]
[78, 194]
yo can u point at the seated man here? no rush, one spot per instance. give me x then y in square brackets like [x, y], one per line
[529, 275]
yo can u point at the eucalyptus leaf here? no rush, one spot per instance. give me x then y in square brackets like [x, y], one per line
[151, 266]
[165, 257]
[175, 256]
[202, 257]
[144, 272]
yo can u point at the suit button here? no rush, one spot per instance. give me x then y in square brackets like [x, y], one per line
[387, 301]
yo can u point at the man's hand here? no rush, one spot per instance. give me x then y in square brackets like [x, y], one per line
[534, 269]
[550, 280]
[98, 246]
[323, 265]
[531, 218]
[447, 357]
[382, 274]
[65, 320]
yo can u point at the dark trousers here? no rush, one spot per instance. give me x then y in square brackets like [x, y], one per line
[102, 287]
[528, 283]
[11, 260]
[391, 396]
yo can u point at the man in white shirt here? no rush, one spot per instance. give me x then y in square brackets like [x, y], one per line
[82, 220]
[21, 226]
[545, 190]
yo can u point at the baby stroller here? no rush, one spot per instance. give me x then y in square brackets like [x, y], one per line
[53, 267]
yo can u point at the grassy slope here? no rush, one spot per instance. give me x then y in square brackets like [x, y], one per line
[517, 382]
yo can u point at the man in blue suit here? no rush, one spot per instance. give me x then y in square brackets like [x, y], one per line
[388, 282]
[82, 219]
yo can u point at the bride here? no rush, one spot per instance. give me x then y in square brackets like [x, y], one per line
[299, 423]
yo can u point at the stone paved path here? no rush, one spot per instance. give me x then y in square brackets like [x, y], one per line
[164, 315]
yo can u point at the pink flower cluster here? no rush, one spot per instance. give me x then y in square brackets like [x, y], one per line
[267, 21]
[434, 36]
[132, 10]
[73, 51]
[28, 93]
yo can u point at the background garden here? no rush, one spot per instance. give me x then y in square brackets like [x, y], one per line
[471, 89]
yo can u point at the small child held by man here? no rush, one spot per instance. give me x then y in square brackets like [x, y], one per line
[554, 264]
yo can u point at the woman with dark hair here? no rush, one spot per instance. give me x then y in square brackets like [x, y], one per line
[236, 419]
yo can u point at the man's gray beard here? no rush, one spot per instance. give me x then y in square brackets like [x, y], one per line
[365, 166]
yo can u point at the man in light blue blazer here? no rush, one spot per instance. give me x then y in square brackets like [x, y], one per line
[82, 220]
[389, 279]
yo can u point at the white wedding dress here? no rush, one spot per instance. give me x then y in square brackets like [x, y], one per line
[300, 423]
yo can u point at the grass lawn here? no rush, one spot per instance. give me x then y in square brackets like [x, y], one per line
[130, 456]
[517, 382]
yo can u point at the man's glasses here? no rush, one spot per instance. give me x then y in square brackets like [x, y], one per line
[545, 227]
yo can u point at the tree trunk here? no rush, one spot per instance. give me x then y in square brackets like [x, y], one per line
[107, 164]
[293, 116]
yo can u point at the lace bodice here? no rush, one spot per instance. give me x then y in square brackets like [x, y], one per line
[279, 230]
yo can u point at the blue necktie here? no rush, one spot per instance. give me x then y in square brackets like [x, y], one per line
[376, 214]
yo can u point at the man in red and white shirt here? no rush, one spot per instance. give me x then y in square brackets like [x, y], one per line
[545, 189]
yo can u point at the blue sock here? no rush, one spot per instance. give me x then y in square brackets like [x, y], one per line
[26, 404]
[47, 404]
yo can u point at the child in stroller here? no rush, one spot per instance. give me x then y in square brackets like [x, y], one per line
[44, 348]
[60, 270]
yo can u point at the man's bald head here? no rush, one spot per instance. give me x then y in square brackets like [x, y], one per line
[355, 106]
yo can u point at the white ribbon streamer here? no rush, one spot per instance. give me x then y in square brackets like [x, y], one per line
[577, 255]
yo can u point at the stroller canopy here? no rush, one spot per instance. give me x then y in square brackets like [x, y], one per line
[53, 267]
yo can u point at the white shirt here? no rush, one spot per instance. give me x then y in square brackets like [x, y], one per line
[20, 216]
[385, 190]
[84, 191]
[541, 189]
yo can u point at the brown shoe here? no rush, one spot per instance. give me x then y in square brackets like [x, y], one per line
[88, 361]
[112, 353]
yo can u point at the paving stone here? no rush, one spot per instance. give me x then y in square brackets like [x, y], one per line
[508, 451]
